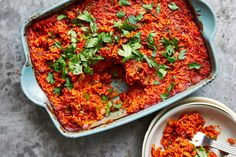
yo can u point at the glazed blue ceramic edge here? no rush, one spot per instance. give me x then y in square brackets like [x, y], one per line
[209, 32]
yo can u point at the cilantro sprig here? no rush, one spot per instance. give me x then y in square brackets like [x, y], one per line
[124, 2]
[168, 91]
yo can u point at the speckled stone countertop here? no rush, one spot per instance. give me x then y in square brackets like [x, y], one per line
[27, 131]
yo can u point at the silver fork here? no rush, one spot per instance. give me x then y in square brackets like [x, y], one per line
[200, 139]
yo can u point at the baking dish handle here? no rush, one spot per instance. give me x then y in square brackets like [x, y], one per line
[207, 18]
[30, 86]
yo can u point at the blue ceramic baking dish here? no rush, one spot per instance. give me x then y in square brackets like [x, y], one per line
[208, 25]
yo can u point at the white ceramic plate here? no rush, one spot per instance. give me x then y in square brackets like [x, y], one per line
[213, 113]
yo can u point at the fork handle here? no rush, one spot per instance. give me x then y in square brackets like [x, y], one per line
[223, 147]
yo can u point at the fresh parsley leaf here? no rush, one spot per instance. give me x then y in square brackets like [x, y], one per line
[201, 152]
[124, 2]
[116, 38]
[118, 24]
[125, 33]
[93, 27]
[140, 16]
[104, 98]
[182, 54]
[171, 59]
[86, 16]
[194, 65]
[50, 78]
[91, 42]
[86, 96]
[128, 26]
[57, 90]
[162, 73]
[68, 83]
[73, 36]
[170, 50]
[170, 87]
[148, 7]
[58, 44]
[120, 14]
[156, 83]
[132, 20]
[59, 65]
[154, 54]
[150, 38]
[151, 63]
[173, 6]
[87, 70]
[158, 9]
[84, 29]
[150, 41]
[108, 108]
[164, 96]
[75, 68]
[174, 42]
[70, 50]
[126, 52]
[60, 17]
[106, 37]
[117, 106]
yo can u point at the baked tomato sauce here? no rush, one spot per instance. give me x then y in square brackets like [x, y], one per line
[155, 46]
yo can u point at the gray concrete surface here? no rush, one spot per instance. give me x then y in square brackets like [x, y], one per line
[27, 131]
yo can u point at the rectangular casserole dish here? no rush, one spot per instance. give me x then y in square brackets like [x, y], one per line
[207, 23]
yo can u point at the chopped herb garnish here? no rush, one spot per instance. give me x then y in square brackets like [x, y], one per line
[120, 14]
[87, 70]
[75, 68]
[57, 90]
[194, 65]
[126, 52]
[201, 152]
[92, 42]
[68, 83]
[151, 63]
[116, 38]
[106, 37]
[174, 42]
[104, 98]
[50, 78]
[154, 54]
[162, 73]
[140, 16]
[173, 6]
[86, 96]
[93, 27]
[60, 17]
[58, 44]
[108, 108]
[125, 33]
[124, 2]
[170, 87]
[150, 41]
[118, 24]
[164, 96]
[148, 7]
[132, 20]
[84, 29]
[86, 16]
[73, 36]
[117, 106]
[182, 54]
[156, 82]
[158, 9]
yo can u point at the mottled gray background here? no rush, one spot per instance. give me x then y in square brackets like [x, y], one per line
[26, 130]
